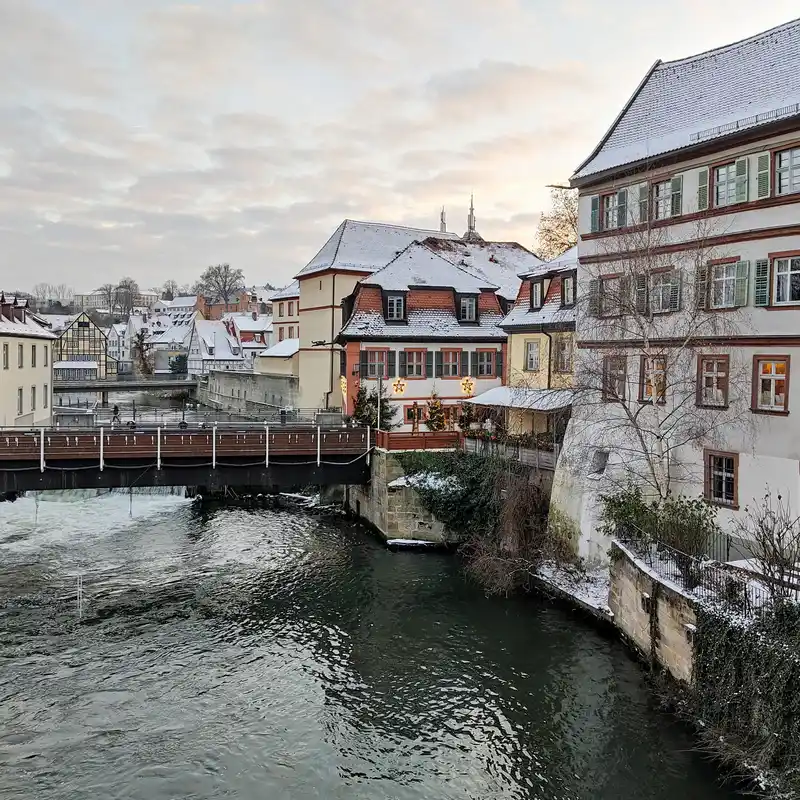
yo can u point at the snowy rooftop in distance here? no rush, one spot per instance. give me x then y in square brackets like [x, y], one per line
[366, 246]
[288, 292]
[705, 97]
[216, 343]
[524, 398]
[245, 322]
[568, 260]
[427, 324]
[285, 349]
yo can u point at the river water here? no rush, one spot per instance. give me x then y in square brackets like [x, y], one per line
[231, 653]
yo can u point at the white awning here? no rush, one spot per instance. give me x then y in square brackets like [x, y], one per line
[529, 399]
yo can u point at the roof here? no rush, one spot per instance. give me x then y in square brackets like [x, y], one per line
[75, 365]
[13, 327]
[213, 334]
[57, 322]
[285, 349]
[366, 246]
[288, 292]
[704, 97]
[183, 301]
[523, 397]
[567, 261]
[423, 324]
[245, 322]
[420, 266]
[497, 263]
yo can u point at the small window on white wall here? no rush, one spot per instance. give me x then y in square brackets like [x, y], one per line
[532, 356]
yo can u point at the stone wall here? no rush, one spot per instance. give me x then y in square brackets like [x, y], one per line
[657, 619]
[396, 512]
[246, 391]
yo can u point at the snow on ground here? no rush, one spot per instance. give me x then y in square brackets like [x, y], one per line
[411, 543]
[589, 587]
[427, 480]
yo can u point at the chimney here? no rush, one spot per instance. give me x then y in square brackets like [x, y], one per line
[255, 316]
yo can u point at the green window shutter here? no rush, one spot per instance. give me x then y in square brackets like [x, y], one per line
[595, 223]
[741, 180]
[764, 176]
[403, 371]
[429, 364]
[391, 364]
[498, 364]
[363, 366]
[439, 364]
[677, 196]
[761, 283]
[701, 287]
[742, 288]
[474, 364]
[593, 309]
[702, 189]
[644, 197]
[622, 208]
[641, 294]
[675, 291]
[464, 361]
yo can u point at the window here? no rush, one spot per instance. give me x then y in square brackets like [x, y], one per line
[485, 363]
[730, 183]
[665, 292]
[723, 285]
[615, 377]
[712, 381]
[45, 396]
[469, 309]
[291, 331]
[563, 345]
[291, 308]
[415, 363]
[376, 364]
[83, 323]
[280, 334]
[662, 200]
[787, 171]
[33, 355]
[20, 356]
[396, 307]
[532, 356]
[568, 290]
[280, 309]
[19, 401]
[5, 356]
[721, 478]
[599, 462]
[33, 398]
[613, 208]
[610, 296]
[771, 383]
[653, 379]
[787, 280]
[451, 363]
[536, 294]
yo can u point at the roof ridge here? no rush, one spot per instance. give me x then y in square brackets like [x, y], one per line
[404, 227]
[731, 45]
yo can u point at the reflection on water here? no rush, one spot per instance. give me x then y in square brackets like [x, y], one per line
[265, 654]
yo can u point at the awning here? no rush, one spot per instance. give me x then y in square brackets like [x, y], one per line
[524, 398]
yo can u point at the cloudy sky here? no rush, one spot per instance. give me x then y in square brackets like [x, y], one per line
[154, 137]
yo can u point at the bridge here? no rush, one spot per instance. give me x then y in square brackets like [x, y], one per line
[264, 458]
[121, 383]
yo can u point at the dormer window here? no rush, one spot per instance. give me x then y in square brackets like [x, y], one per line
[211, 349]
[537, 292]
[396, 307]
[468, 309]
[568, 289]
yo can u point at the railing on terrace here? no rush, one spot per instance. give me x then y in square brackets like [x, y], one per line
[423, 440]
[534, 457]
[129, 377]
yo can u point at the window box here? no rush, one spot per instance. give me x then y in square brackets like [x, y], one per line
[721, 484]
[770, 384]
[712, 381]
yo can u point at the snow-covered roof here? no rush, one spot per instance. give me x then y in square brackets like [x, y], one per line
[424, 324]
[13, 327]
[57, 322]
[567, 261]
[704, 97]
[287, 293]
[175, 334]
[285, 349]
[262, 293]
[366, 246]
[524, 397]
[183, 301]
[498, 263]
[245, 322]
[213, 335]
[419, 266]
[75, 365]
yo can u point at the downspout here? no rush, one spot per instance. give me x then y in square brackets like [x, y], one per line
[549, 359]
[333, 324]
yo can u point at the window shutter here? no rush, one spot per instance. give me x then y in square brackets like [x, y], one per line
[764, 176]
[391, 364]
[595, 223]
[742, 283]
[363, 366]
[701, 287]
[429, 364]
[702, 189]
[644, 197]
[474, 358]
[641, 294]
[741, 180]
[677, 196]
[439, 364]
[386, 306]
[761, 283]
[464, 361]
[675, 291]
[403, 368]
[594, 298]
[498, 364]
[622, 208]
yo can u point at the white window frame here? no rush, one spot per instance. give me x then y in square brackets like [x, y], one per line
[20, 356]
[772, 378]
[395, 307]
[415, 363]
[662, 199]
[661, 284]
[568, 290]
[788, 267]
[713, 370]
[609, 209]
[725, 176]
[614, 296]
[790, 172]
[532, 356]
[563, 345]
[375, 357]
[469, 309]
[452, 368]
[486, 363]
[723, 277]
[536, 294]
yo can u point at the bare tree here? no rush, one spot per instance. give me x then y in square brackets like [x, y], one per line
[141, 353]
[654, 382]
[42, 292]
[62, 292]
[558, 228]
[125, 295]
[109, 292]
[169, 291]
[220, 282]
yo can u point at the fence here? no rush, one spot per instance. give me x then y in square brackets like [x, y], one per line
[541, 459]
[424, 440]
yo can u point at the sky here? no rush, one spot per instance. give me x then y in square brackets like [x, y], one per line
[153, 138]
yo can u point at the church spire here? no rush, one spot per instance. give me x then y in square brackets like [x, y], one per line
[443, 221]
[472, 234]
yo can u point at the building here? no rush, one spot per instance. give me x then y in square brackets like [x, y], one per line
[541, 331]
[260, 300]
[181, 309]
[169, 348]
[286, 312]
[689, 266]
[56, 323]
[98, 300]
[26, 364]
[253, 331]
[117, 346]
[215, 308]
[213, 346]
[422, 325]
[84, 341]
[282, 358]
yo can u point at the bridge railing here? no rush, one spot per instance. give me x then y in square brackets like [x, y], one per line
[422, 440]
[128, 377]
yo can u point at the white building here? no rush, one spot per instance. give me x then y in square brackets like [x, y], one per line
[26, 366]
[253, 330]
[213, 347]
[689, 212]
[117, 346]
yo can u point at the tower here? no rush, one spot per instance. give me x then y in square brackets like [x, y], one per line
[472, 235]
[443, 221]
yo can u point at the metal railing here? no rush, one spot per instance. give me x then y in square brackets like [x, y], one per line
[533, 457]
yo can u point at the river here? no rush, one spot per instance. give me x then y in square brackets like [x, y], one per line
[233, 653]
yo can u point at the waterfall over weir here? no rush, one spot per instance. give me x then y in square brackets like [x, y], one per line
[67, 495]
